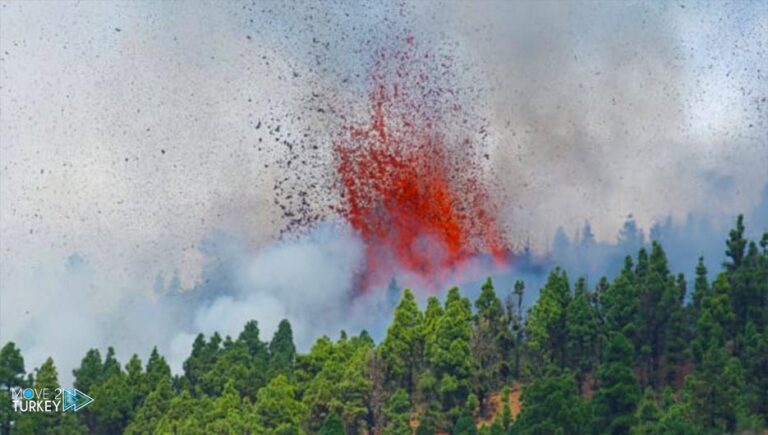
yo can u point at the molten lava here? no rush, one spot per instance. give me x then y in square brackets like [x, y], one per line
[418, 201]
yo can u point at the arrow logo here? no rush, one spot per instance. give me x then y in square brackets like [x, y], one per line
[75, 399]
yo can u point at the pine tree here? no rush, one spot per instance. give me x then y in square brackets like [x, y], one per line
[448, 352]
[427, 395]
[135, 378]
[487, 343]
[754, 358]
[402, 348]
[11, 377]
[258, 354]
[432, 315]
[701, 286]
[546, 328]
[114, 409]
[398, 414]
[111, 366]
[234, 363]
[339, 385]
[11, 366]
[715, 390]
[157, 371]
[659, 300]
[282, 351]
[551, 405]
[185, 415]
[355, 388]
[199, 361]
[714, 321]
[581, 329]
[647, 415]
[277, 406]
[675, 416]
[619, 306]
[152, 410]
[735, 245]
[749, 289]
[250, 337]
[618, 389]
[227, 414]
[676, 335]
[90, 371]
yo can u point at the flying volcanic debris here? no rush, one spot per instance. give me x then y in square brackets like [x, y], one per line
[407, 174]
[412, 183]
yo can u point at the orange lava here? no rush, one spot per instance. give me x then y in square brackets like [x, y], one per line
[419, 202]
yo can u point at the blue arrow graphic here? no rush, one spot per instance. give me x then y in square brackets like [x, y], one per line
[75, 400]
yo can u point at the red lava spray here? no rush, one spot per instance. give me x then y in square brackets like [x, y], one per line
[413, 191]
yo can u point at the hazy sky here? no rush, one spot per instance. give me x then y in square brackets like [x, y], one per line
[127, 129]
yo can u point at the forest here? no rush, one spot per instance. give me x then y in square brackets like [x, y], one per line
[648, 352]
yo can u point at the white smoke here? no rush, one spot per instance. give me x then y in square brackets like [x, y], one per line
[128, 139]
[308, 281]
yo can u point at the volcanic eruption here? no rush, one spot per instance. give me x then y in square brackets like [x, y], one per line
[411, 179]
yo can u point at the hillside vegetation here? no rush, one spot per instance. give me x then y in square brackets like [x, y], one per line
[649, 352]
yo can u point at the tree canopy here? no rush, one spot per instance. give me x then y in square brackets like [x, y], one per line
[637, 354]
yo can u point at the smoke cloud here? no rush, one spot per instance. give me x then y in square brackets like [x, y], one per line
[603, 110]
[139, 160]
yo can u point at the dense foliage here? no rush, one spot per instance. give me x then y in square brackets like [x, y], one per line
[646, 353]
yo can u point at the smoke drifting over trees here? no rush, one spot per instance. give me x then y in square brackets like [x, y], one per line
[650, 351]
[141, 166]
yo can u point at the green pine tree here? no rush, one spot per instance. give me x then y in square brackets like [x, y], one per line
[398, 414]
[552, 405]
[546, 329]
[647, 415]
[489, 337]
[11, 377]
[277, 407]
[582, 328]
[282, 351]
[402, 348]
[618, 389]
[152, 410]
[448, 352]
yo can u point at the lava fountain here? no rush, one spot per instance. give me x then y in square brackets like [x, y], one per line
[414, 192]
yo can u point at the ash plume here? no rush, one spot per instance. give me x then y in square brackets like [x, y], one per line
[179, 173]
